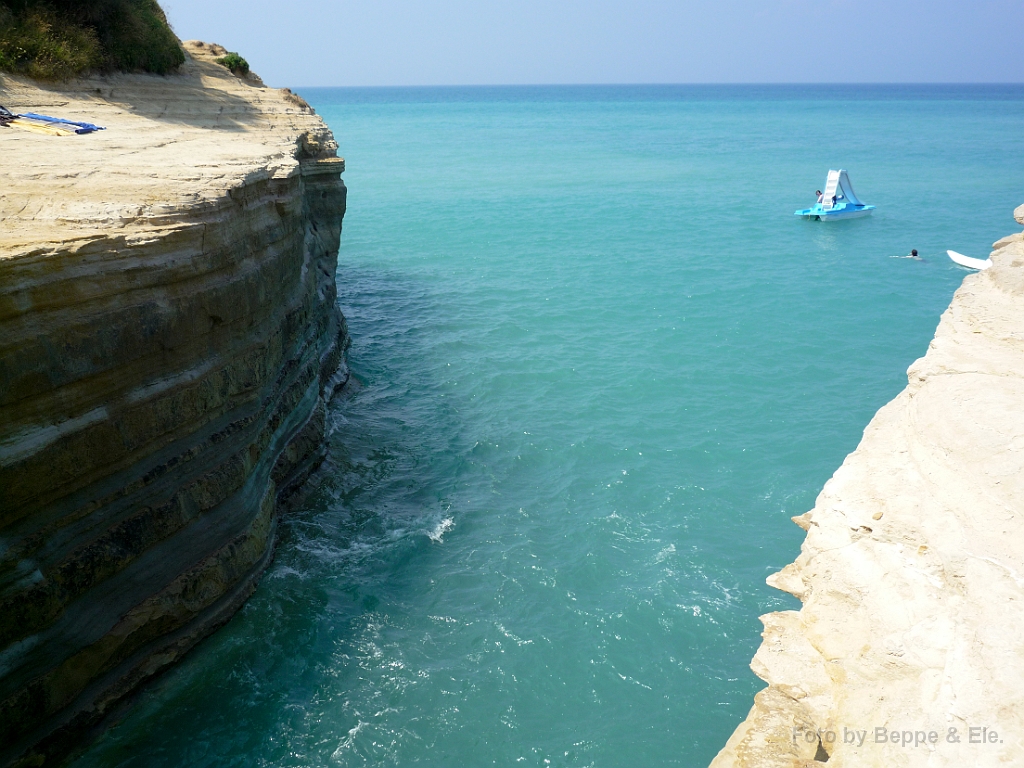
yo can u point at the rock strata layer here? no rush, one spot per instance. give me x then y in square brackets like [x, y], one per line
[169, 337]
[909, 647]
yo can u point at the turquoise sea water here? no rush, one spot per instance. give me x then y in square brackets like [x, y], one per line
[600, 365]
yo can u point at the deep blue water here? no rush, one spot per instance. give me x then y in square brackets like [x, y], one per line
[600, 365]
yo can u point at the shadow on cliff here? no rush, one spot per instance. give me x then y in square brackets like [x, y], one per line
[203, 93]
[176, 98]
[181, 99]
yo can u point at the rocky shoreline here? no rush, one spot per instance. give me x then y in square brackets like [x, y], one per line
[169, 339]
[907, 650]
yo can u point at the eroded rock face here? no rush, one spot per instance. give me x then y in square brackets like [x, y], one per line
[169, 337]
[912, 573]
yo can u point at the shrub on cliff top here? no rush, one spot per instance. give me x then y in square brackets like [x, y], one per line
[57, 39]
[235, 63]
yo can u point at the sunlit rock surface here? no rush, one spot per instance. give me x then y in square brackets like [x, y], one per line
[912, 572]
[169, 337]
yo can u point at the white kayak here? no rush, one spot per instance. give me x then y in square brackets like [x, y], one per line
[967, 261]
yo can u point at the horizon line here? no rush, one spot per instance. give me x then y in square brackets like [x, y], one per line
[664, 84]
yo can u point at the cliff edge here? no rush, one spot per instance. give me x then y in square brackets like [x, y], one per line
[169, 337]
[909, 647]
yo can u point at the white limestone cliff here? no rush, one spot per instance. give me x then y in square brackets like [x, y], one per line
[912, 572]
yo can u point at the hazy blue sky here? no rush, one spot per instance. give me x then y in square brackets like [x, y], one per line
[400, 42]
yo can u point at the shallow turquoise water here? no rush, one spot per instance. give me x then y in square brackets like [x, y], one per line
[601, 365]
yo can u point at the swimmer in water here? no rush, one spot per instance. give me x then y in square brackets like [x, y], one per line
[913, 254]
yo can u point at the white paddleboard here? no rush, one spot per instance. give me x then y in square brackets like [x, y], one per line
[967, 261]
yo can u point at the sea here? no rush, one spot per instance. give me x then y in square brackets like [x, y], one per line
[597, 366]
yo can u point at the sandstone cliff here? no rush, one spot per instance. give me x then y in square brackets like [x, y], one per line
[168, 338]
[909, 647]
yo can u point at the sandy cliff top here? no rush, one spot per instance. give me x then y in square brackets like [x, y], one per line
[171, 144]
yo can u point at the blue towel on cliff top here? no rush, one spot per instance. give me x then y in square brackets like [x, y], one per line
[82, 127]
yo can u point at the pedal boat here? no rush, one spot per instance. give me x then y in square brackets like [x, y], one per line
[838, 201]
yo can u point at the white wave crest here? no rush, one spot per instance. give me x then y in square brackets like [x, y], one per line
[437, 535]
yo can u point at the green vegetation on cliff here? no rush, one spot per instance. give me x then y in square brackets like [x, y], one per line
[57, 39]
[235, 63]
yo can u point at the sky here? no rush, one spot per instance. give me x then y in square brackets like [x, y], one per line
[481, 42]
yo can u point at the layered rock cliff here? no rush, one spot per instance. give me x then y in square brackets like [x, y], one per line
[909, 647]
[169, 337]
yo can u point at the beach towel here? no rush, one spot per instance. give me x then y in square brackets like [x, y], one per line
[80, 127]
[53, 126]
[50, 129]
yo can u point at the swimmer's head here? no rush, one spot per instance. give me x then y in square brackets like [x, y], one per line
[913, 252]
